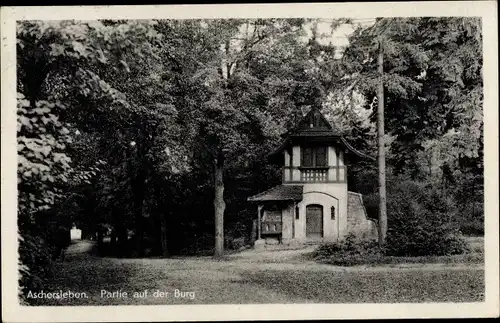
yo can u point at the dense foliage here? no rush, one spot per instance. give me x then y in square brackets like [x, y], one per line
[154, 133]
[420, 222]
[349, 252]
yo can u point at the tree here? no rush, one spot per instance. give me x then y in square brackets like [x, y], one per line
[433, 80]
[382, 218]
[432, 86]
[228, 84]
[65, 69]
[240, 84]
[453, 90]
[437, 125]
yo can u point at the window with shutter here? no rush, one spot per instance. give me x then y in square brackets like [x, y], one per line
[314, 157]
[307, 157]
[320, 157]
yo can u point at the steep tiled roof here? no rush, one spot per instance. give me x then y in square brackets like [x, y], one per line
[321, 126]
[280, 193]
[313, 128]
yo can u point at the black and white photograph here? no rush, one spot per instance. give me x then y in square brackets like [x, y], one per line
[319, 155]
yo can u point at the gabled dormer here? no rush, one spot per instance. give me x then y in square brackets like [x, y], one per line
[313, 152]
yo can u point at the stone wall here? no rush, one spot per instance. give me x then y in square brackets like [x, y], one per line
[358, 222]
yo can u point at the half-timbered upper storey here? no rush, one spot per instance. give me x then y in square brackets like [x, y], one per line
[314, 152]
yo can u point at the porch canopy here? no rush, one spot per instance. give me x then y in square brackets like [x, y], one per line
[276, 197]
[279, 193]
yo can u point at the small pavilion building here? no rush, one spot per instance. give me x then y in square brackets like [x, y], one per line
[312, 205]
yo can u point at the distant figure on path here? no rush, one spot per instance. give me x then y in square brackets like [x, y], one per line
[76, 234]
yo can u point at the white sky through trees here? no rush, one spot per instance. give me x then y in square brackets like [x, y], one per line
[336, 36]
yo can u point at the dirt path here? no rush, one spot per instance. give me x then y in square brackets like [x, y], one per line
[258, 277]
[274, 256]
[298, 259]
[80, 247]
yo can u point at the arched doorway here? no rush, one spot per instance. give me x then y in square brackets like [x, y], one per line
[314, 222]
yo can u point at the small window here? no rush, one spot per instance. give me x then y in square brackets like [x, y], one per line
[317, 120]
[297, 212]
[332, 210]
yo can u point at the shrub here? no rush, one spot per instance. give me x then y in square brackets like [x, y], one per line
[233, 243]
[35, 264]
[420, 222]
[349, 252]
[238, 234]
[470, 219]
[199, 245]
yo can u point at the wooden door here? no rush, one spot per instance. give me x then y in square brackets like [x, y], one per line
[314, 221]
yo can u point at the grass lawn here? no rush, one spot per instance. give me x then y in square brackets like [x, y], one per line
[476, 244]
[240, 281]
[472, 258]
[379, 287]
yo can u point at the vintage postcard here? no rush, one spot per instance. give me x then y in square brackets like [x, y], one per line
[250, 161]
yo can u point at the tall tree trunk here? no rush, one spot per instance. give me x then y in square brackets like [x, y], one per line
[138, 184]
[122, 236]
[253, 235]
[138, 187]
[219, 205]
[100, 238]
[161, 213]
[138, 215]
[163, 235]
[113, 240]
[381, 149]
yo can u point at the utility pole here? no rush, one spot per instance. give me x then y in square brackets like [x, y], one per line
[382, 217]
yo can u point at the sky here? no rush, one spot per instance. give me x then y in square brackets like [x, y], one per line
[339, 37]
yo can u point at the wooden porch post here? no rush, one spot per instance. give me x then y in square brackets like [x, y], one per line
[259, 210]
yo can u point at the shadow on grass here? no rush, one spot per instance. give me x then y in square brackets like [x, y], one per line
[85, 275]
[375, 287]
[470, 258]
